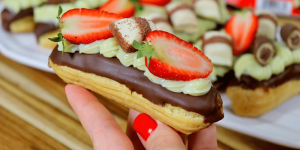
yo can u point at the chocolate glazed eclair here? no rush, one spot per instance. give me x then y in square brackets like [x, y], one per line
[273, 78]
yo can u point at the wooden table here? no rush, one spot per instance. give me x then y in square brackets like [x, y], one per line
[35, 115]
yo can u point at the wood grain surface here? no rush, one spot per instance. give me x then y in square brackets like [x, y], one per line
[35, 114]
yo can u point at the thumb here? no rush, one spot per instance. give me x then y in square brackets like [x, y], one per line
[155, 135]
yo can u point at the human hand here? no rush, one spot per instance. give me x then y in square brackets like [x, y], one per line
[105, 132]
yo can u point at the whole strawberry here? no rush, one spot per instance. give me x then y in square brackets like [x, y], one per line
[242, 27]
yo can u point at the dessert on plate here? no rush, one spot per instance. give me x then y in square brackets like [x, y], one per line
[17, 16]
[267, 71]
[129, 61]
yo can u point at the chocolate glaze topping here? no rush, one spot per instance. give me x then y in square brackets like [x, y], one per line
[208, 105]
[290, 73]
[8, 17]
[42, 28]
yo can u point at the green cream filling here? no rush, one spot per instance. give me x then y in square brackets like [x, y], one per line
[247, 64]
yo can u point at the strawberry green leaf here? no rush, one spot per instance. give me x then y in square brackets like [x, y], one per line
[55, 39]
[60, 10]
[60, 37]
[144, 49]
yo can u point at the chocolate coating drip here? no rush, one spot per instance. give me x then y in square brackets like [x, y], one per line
[42, 28]
[206, 105]
[8, 17]
[291, 73]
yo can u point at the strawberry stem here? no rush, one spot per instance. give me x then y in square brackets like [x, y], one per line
[60, 37]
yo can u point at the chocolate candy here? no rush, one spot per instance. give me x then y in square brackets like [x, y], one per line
[290, 34]
[263, 50]
[267, 24]
[161, 22]
[211, 9]
[129, 29]
[217, 46]
[182, 17]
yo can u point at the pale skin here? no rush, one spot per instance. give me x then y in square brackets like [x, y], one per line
[105, 132]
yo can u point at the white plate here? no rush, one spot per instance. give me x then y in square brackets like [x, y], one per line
[280, 126]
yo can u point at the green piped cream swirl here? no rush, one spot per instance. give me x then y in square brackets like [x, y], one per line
[195, 87]
[109, 47]
[128, 59]
[247, 64]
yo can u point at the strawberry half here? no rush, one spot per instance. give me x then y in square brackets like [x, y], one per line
[242, 27]
[84, 26]
[122, 7]
[173, 58]
[155, 2]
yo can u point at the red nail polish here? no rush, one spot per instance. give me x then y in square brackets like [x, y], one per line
[144, 125]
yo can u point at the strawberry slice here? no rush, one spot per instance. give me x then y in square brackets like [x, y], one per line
[84, 26]
[155, 2]
[242, 27]
[173, 58]
[122, 7]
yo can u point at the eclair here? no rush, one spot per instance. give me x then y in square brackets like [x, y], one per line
[17, 17]
[173, 86]
[46, 21]
[265, 78]
[267, 24]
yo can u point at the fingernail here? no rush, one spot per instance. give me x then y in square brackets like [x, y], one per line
[144, 125]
